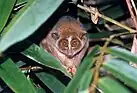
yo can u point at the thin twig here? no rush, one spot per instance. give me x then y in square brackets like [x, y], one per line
[31, 68]
[134, 6]
[107, 18]
[98, 65]
[131, 13]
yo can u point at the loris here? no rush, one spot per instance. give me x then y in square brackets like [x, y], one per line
[68, 42]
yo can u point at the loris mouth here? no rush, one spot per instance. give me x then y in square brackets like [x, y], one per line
[70, 56]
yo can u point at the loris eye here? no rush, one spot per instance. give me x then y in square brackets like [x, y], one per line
[75, 43]
[63, 44]
[55, 35]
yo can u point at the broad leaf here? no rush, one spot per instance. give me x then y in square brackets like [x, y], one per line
[21, 1]
[99, 35]
[41, 90]
[6, 7]
[109, 85]
[123, 53]
[123, 71]
[51, 82]
[14, 78]
[27, 21]
[85, 82]
[38, 54]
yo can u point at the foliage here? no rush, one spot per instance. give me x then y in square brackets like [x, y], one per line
[27, 68]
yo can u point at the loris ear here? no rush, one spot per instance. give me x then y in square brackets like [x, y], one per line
[83, 35]
[55, 35]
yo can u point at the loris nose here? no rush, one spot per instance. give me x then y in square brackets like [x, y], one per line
[70, 54]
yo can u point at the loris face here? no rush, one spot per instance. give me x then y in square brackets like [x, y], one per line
[70, 42]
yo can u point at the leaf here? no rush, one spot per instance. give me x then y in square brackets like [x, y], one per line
[117, 41]
[38, 54]
[99, 35]
[113, 12]
[85, 82]
[27, 21]
[118, 12]
[6, 7]
[21, 2]
[123, 71]
[122, 53]
[86, 64]
[51, 82]
[14, 78]
[109, 85]
[40, 90]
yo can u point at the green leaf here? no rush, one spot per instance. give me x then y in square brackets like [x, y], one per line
[14, 78]
[113, 12]
[6, 7]
[40, 90]
[38, 54]
[109, 85]
[117, 41]
[86, 64]
[51, 82]
[99, 35]
[105, 34]
[123, 71]
[27, 21]
[118, 12]
[122, 53]
[21, 1]
[19, 4]
[85, 82]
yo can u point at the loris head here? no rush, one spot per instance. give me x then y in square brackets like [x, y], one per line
[70, 38]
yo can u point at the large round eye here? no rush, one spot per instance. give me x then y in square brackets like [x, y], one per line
[63, 44]
[75, 43]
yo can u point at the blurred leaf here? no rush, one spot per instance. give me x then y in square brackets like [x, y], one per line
[40, 90]
[122, 53]
[6, 7]
[85, 82]
[19, 4]
[109, 85]
[20, 63]
[21, 1]
[51, 82]
[85, 65]
[118, 12]
[83, 14]
[14, 78]
[117, 41]
[105, 34]
[99, 35]
[75, 1]
[113, 12]
[27, 21]
[123, 71]
[38, 54]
